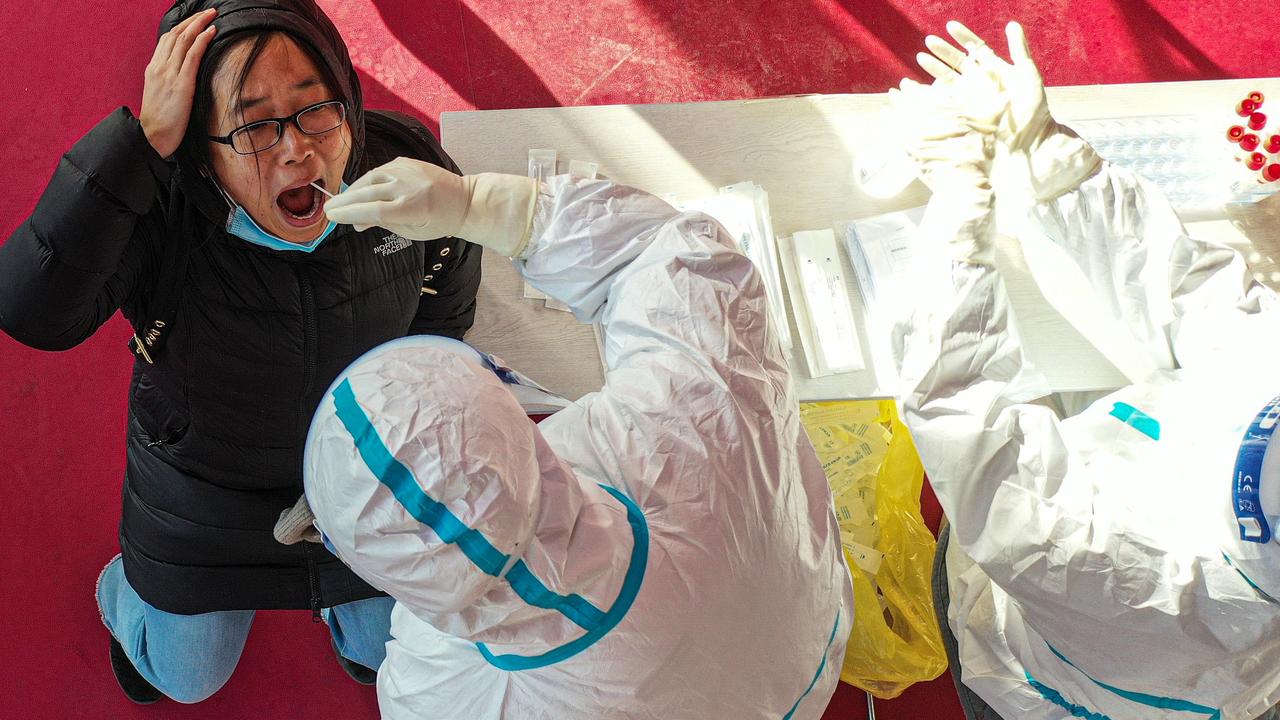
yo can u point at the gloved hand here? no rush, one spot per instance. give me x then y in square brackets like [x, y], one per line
[1053, 157]
[421, 201]
[297, 524]
[952, 143]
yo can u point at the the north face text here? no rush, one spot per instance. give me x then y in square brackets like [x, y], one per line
[392, 243]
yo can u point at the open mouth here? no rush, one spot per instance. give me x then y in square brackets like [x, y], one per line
[301, 206]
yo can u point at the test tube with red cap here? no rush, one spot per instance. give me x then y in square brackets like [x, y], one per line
[1254, 143]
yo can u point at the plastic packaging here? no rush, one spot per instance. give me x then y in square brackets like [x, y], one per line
[1186, 156]
[743, 210]
[542, 165]
[876, 478]
[583, 168]
[1189, 157]
[816, 280]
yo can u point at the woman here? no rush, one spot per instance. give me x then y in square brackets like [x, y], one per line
[197, 219]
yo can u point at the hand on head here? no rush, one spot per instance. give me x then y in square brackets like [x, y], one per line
[170, 81]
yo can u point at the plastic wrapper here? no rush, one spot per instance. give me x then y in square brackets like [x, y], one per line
[876, 478]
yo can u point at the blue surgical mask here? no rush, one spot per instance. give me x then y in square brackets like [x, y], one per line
[242, 226]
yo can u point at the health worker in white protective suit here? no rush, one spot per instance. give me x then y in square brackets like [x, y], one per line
[1120, 563]
[663, 548]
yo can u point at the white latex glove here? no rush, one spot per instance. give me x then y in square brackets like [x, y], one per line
[421, 201]
[1052, 156]
[953, 151]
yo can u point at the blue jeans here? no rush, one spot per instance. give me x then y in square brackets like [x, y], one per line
[189, 657]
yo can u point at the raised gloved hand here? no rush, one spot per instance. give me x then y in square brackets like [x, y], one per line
[952, 143]
[297, 524]
[421, 201]
[1055, 158]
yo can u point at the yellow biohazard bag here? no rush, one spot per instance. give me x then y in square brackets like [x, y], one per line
[876, 478]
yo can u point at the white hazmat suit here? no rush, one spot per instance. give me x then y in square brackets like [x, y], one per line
[664, 548]
[1096, 568]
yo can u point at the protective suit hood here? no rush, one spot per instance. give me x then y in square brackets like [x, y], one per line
[427, 477]
[306, 23]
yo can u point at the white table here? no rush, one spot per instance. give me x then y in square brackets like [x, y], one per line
[800, 149]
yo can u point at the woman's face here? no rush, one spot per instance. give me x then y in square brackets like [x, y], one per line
[272, 185]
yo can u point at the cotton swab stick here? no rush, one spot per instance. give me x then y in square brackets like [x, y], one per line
[326, 192]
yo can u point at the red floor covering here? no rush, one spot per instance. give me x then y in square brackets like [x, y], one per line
[67, 64]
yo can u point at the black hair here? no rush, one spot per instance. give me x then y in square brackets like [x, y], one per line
[195, 143]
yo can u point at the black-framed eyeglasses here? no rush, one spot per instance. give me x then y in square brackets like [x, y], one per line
[260, 135]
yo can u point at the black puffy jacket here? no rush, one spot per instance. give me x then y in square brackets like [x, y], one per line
[217, 424]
